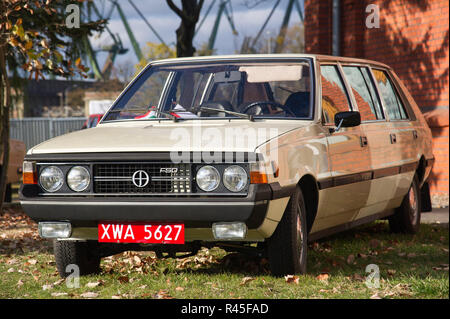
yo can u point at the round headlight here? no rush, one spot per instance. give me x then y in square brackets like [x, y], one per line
[78, 178]
[235, 178]
[208, 178]
[51, 178]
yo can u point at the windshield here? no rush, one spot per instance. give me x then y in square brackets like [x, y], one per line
[218, 90]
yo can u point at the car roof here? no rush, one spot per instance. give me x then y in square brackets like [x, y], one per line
[246, 57]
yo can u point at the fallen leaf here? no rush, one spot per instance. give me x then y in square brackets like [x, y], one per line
[179, 289]
[246, 280]
[137, 260]
[441, 267]
[391, 272]
[32, 261]
[59, 294]
[47, 287]
[358, 277]
[123, 279]
[89, 294]
[94, 284]
[291, 279]
[11, 261]
[375, 296]
[20, 283]
[163, 294]
[323, 277]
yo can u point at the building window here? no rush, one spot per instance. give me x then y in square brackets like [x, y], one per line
[334, 96]
[394, 106]
[364, 92]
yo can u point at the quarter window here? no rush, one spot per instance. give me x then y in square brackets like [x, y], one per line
[364, 92]
[394, 106]
[334, 96]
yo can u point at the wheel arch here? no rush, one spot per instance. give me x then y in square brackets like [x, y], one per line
[308, 186]
[420, 171]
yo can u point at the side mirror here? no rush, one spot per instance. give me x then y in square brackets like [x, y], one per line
[347, 119]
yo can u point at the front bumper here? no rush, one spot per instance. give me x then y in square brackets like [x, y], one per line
[194, 212]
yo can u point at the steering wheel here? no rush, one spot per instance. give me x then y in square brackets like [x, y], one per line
[265, 104]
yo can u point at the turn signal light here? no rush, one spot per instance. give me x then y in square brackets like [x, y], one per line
[258, 174]
[258, 178]
[29, 175]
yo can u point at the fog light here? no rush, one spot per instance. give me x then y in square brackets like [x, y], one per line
[229, 231]
[54, 229]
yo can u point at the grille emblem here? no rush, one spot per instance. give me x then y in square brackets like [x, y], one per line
[140, 178]
[168, 170]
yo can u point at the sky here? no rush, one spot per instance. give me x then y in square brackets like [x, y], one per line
[248, 19]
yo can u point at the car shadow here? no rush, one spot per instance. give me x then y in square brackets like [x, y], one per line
[349, 253]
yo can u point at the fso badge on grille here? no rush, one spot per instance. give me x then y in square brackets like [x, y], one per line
[167, 233]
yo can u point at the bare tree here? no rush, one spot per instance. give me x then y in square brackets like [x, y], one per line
[189, 14]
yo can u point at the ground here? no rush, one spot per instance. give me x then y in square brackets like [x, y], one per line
[409, 267]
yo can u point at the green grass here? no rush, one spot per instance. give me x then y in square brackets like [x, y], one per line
[410, 267]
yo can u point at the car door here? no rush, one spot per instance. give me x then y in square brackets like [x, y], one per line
[377, 131]
[402, 135]
[347, 188]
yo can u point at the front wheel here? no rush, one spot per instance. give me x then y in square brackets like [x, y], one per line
[80, 255]
[287, 248]
[406, 218]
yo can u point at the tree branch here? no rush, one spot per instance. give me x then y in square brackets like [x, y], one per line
[175, 9]
[199, 7]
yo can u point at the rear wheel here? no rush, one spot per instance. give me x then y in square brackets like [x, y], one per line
[81, 254]
[407, 217]
[287, 248]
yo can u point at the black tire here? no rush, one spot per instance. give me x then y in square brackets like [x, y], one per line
[84, 254]
[287, 248]
[406, 218]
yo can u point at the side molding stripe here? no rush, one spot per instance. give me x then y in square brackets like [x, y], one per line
[366, 176]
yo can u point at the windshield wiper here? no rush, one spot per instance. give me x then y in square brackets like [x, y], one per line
[170, 116]
[212, 110]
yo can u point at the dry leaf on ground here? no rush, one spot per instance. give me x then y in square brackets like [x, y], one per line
[246, 280]
[89, 294]
[323, 277]
[291, 279]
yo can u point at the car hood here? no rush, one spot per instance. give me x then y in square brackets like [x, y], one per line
[165, 136]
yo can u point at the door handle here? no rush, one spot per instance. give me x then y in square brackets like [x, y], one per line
[415, 135]
[364, 141]
[393, 138]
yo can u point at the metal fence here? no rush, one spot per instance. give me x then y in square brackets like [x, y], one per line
[35, 130]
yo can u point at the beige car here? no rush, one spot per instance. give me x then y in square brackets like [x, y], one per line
[254, 153]
[17, 152]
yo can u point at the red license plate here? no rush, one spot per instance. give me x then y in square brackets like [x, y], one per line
[166, 233]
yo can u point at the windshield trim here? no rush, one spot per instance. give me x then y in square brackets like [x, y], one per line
[247, 59]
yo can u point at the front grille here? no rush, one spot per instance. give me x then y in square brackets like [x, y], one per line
[149, 178]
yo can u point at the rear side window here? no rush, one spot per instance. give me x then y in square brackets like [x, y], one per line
[334, 96]
[394, 106]
[364, 92]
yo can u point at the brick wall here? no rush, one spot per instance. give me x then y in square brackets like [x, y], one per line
[413, 39]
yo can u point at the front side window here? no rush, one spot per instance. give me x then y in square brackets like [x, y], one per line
[334, 95]
[394, 106]
[217, 90]
[364, 92]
